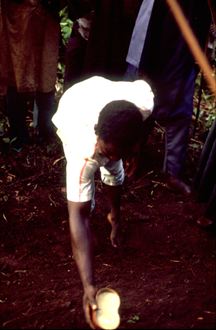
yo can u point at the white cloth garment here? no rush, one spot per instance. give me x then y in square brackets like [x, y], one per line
[75, 118]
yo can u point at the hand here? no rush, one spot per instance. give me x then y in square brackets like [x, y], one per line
[89, 304]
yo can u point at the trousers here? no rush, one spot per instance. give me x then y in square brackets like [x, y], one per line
[173, 109]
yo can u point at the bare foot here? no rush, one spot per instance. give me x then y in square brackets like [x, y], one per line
[114, 235]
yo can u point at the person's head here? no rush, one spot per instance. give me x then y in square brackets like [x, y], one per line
[119, 128]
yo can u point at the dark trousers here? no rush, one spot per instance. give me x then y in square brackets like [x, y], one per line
[173, 109]
[17, 106]
[205, 178]
[46, 107]
[16, 110]
[74, 60]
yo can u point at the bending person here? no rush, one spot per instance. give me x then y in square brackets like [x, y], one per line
[100, 123]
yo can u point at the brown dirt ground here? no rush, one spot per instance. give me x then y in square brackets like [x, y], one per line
[164, 271]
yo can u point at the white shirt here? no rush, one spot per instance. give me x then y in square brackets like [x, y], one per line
[75, 118]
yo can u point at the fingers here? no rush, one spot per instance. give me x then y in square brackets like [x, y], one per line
[88, 314]
[89, 305]
[88, 311]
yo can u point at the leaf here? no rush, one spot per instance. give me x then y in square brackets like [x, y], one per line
[133, 319]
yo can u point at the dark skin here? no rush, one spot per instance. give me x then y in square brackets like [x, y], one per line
[81, 237]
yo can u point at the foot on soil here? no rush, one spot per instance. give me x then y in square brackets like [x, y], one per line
[178, 186]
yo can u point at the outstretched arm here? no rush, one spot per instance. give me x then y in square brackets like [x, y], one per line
[82, 247]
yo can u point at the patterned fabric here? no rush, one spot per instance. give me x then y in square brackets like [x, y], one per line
[29, 37]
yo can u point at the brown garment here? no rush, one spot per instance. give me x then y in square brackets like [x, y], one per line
[29, 39]
[110, 36]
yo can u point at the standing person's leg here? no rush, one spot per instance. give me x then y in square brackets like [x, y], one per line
[176, 141]
[205, 179]
[45, 103]
[16, 109]
[174, 110]
[178, 126]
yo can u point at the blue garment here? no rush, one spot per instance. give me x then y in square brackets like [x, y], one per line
[205, 178]
[139, 33]
[168, 65]
[206, 173]
[174, 109]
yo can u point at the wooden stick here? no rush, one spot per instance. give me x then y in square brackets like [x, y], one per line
[193, 44]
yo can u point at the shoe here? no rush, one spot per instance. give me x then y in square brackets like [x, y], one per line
[178, 186]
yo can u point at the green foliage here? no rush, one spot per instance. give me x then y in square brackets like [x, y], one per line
[204, 103]
[66, 25]
[133, 319]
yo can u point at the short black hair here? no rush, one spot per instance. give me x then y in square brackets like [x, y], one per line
[120, 123]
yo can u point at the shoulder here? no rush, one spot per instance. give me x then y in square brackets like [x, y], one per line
[140, 93]
[144, 95]
[87, 84]
[95, 80]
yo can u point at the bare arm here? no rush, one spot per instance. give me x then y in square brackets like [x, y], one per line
[81, 239]
[114, 197]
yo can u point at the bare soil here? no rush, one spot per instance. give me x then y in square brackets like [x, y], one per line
[165, 271]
